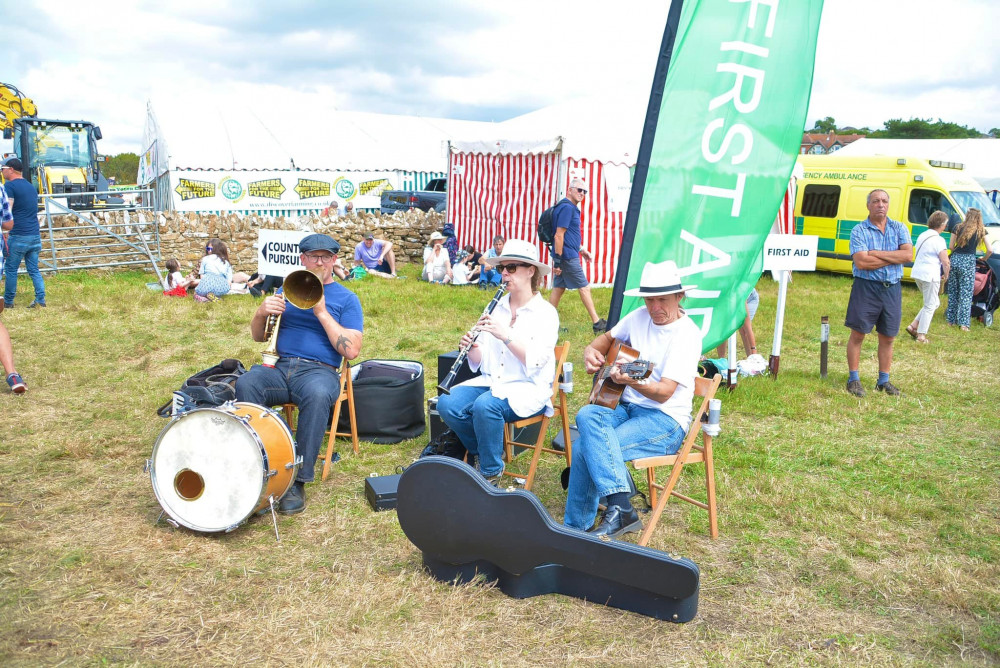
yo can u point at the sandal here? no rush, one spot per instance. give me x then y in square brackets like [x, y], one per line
[923, 340]
[911, 331]
[964, 328]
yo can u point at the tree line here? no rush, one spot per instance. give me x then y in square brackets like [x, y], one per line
[125, 166]
[897, 128]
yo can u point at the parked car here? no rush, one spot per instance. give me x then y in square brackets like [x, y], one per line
[434, 197]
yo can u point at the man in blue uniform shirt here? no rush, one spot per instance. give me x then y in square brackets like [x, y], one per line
[311, 345]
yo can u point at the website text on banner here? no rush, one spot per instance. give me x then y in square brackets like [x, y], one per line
[724, 143]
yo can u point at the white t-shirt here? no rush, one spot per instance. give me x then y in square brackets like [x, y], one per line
[175, 279]
[673, 349]
[927, 263]
[460, 274]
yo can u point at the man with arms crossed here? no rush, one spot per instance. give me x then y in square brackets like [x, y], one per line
[879, 248]
[311, 344]
[567, 251]
[653, 415]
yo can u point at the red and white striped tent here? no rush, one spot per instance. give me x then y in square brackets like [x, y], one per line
[502, 186]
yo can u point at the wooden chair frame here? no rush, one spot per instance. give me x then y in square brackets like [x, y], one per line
[560, 408]
[690, 453]
[346, 394]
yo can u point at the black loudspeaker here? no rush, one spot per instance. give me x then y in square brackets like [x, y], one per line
[446, 361]
[381, 491]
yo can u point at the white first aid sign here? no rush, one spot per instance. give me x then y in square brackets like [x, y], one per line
[793, 252]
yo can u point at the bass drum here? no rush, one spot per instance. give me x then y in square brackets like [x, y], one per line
[212, 468]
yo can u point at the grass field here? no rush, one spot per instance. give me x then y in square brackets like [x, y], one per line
[852, 531]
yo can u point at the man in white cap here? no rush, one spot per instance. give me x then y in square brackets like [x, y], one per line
[653, 414]
[568, 250]
[311, 344]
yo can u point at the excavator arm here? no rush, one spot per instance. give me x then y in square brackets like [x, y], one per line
[14, 105]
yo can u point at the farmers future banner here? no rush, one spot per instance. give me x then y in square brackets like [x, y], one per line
[722, 130]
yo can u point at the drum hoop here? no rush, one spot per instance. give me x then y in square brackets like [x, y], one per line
[260, 447]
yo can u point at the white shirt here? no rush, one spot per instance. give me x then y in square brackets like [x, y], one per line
[459, 274]
[213, 264]
[927, 263]
[674, 350]
[526, 387]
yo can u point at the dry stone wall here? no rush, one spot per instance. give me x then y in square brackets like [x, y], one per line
[183, 235]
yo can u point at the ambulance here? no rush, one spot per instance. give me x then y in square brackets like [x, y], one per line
[832, 197]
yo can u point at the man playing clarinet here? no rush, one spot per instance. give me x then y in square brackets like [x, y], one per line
[653, 414]
[514, 354]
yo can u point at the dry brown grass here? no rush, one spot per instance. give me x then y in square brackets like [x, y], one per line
[852, 532]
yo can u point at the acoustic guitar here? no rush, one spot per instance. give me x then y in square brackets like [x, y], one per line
[607, 392]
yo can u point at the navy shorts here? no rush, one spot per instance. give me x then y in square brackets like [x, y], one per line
[572, 277]
[875, 304]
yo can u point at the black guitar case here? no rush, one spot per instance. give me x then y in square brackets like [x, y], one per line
[465, 527]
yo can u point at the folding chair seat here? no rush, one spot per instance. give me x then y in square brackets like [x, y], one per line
[560, 408]
[346, 395]
[690, 453]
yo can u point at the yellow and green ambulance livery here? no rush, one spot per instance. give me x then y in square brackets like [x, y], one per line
[832, 199]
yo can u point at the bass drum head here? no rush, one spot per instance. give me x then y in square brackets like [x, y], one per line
[208, 470]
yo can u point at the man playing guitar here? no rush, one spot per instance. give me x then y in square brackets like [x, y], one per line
[653, 414]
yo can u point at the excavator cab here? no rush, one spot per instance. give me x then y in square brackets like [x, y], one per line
[61, 157]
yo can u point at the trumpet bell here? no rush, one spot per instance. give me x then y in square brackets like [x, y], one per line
[302, 288]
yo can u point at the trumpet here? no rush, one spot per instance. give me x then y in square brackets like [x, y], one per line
[445, 385]
[302, 289]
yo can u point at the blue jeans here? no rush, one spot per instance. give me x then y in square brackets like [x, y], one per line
[477, 417]
[26, 248]
[608, 439]
[312, 386]
[489, 276]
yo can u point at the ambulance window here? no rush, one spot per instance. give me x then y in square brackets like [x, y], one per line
[925, 202]
[820, 201]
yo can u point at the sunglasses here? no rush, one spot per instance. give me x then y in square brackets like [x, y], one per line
[582, 191]
[509, 268]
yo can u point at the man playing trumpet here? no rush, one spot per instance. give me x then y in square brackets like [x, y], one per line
[311, 345]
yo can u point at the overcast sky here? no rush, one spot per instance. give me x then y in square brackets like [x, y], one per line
[100, 61]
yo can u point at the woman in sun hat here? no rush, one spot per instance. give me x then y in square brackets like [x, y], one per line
[437, 265]
[514, 355]
[653, 414]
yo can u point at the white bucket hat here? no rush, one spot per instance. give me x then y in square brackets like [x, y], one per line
[437, 236]
[659, 279]
[516, 250]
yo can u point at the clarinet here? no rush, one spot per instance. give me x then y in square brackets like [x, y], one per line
[445, 384]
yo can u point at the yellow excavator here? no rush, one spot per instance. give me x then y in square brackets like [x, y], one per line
[57, 156]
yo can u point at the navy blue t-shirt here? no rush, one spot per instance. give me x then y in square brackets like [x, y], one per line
[301, 334]
[25, 207]
[568, 216]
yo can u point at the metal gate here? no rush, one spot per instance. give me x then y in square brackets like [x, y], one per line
[117, 236]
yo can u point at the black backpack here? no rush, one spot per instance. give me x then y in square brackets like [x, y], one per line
[546, 226]
[212, 387]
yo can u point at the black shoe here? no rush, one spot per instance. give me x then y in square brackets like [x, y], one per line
[888, 388]
[294, 501]
[35, 303]
[600, 326]
[616, 521]
[854, 387]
